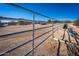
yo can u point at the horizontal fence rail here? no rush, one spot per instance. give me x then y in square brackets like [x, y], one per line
[23, 31]
[19, 45]
[40, 43]
[33, 32]
[26, 9]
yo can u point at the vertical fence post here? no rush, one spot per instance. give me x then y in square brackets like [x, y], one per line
[33, 23]
[52, 31]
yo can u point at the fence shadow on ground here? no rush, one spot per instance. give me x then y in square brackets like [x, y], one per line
[59, 44]
[58, 50]
[72, 48]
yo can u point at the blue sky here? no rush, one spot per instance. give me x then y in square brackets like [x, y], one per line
[57, 11]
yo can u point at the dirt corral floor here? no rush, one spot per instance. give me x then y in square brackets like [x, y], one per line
[61, 43]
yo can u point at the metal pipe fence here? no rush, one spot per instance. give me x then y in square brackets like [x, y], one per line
[33, 32]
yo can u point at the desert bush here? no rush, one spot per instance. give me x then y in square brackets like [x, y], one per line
[24, 22]
[67, 21]
[76, 22]
[21, 22]
[12, 23]
[49, 21]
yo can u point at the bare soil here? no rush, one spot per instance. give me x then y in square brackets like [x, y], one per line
[59, 44]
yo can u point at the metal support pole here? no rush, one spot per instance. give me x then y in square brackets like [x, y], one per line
[52, 31]
[33, 23]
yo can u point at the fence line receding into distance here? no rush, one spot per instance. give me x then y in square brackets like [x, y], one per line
[33, 33]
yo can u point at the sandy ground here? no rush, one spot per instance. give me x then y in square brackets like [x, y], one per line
[74, 28]
[17, 28]
[8, 42]
[53, 46]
